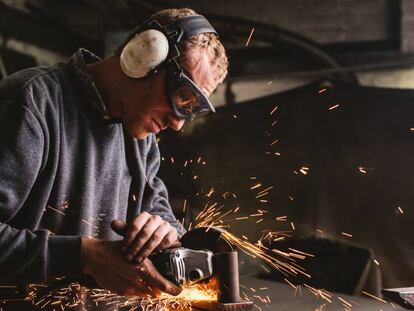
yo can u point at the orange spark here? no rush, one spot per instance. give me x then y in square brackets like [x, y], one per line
[274, 109]
[250, 36]
[333, 107]
[373, 296]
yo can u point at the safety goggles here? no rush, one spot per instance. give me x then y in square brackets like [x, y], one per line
[186, 99]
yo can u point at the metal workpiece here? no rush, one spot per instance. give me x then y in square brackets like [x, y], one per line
[226, 269]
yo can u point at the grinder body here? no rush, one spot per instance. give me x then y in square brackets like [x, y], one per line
[182, 266]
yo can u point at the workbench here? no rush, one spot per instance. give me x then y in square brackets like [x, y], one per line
[282, 297]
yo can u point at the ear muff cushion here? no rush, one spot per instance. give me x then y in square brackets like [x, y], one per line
[144, 52]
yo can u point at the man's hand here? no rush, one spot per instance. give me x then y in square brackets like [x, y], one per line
[103, 261]
[145, 234]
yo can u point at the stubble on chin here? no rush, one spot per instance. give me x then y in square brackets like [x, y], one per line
[137, 133]
[141, 135]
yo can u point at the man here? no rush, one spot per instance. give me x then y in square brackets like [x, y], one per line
[70, 166]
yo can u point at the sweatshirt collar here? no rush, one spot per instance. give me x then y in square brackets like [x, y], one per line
[77, 63]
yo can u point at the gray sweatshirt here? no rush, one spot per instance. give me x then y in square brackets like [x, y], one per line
[66, 172]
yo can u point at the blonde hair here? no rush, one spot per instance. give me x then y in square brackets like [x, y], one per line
[207, 42]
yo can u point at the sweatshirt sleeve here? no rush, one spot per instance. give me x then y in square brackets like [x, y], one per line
[156, 194]
[26, 256]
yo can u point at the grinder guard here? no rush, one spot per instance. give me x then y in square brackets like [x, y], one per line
[206, 238]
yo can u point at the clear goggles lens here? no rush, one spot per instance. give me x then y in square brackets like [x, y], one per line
[187, 100]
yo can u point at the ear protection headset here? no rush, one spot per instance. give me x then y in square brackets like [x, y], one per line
[152, 46]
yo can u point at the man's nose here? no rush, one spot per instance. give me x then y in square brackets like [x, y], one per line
[175, 123]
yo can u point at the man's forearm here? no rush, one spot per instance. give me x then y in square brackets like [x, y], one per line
[27, 256]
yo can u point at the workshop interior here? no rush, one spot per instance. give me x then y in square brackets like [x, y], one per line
[297, 193]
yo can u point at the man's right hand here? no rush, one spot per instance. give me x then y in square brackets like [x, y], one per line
[103, 261]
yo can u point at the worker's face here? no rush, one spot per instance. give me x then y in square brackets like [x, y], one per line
[146, 108]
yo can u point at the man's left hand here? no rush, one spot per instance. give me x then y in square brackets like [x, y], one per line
[144, 235]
